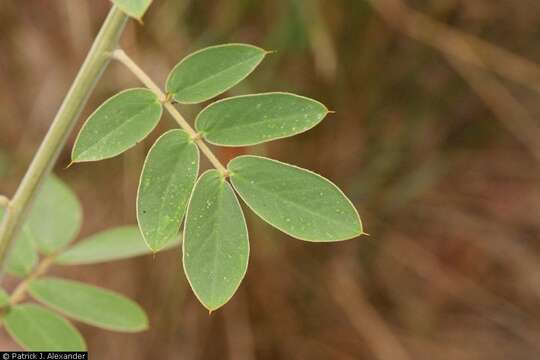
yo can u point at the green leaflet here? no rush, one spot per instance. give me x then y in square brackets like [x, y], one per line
[54, 220]
[215, 247]
[294, 200]
[211, 71]
[38, 329]
[4, 297]
[134, 8]
[90, 304]
[55, 217]
[114, 244]
[167, 179]
[22, 256]
[117, 125]
[254, 119]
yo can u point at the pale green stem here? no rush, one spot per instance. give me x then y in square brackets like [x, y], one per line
[121, 56]
[20, 291]
[43, 161]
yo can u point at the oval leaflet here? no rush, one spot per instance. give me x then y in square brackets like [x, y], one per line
[294, 200]
[117, 125]
[114, 244]
[89, 304]
[254, 119]
[55, 217]
[215, 247]
[167, 179]
[38, 329]
[211, 71]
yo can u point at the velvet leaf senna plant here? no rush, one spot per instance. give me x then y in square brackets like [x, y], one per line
[215, 247]
[172, 195]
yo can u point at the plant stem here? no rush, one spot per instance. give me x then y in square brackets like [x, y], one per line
[20, 291]
[4, 201]
[43, 161]
[121, 56]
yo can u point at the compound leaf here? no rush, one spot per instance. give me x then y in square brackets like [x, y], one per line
[90, 304]
[254, 119]
[294, 200]
[215, 247]
[211, 71]
[167, 180]
[114, 244]
[55, 217]
[117, 125]
[134, 8]
[38, 329]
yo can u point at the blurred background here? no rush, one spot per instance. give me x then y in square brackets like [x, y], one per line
[435, 139]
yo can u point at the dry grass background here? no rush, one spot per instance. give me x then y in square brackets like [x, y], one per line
[435, 139]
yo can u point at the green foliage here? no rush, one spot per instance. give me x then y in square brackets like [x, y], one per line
[134, 8]
[254, 119]
[215, 248]
[54, 221]
[211, 71]
[22, 257]
[55, 217]
[296, 201]
[215, 240]
[38, 329]
[90, 304]
[117, 125]
[4, 298]
[114, 244]
[167, 179]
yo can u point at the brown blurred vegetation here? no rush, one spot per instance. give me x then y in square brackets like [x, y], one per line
[435, 139]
